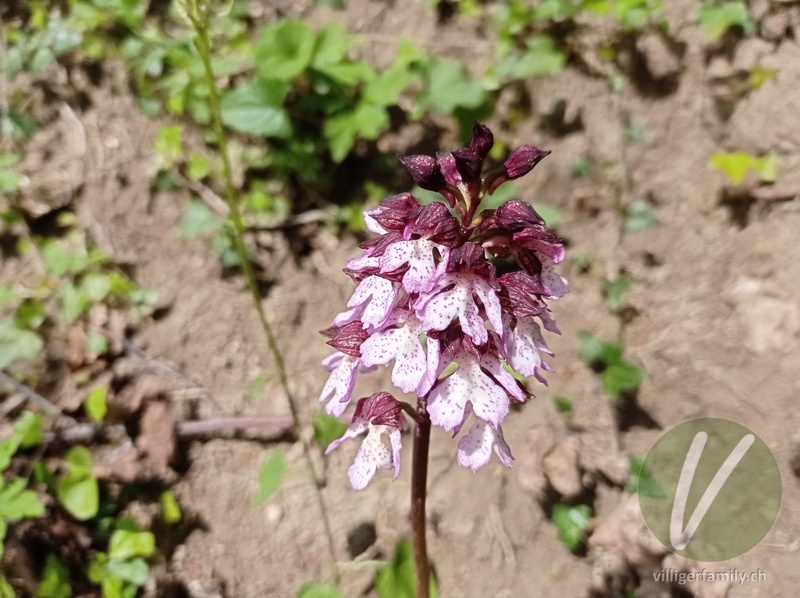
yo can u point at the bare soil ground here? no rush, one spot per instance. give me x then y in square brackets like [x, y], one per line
[716, 293]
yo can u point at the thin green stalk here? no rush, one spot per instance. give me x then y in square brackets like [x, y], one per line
[199, 19]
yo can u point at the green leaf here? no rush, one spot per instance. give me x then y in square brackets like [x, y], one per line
[450, 86]
[79, 460]
[621, 377]
[95, 403]
[327, 429]
[332, 45]
[134, 571]
[766, 168]
[349, 73]
[125, 544]
[198, 167]
[6, 591]
[285, 50]
[16, 344]
[9, 181]
[594, 352]
[77, 490]
[614, 290]
[7, 160]
[541, 57]
[638, 216]
[256, 108]
[55, 580]
[8, 295]
[385, 89]
[563, 405]
[74, 302]
[28, 428]
[170, 509]
[16, 502]
[198, 220]
[96, 286]
[318, 590]
[169, 145]
[397, 579]
[97, 343]
[571, 523]
[634, 14]
[641, 480]
[341, 130]
[716, 18]
[30, 314]
[271, 476]
[734, 165]
[60, 259]
[760, 75]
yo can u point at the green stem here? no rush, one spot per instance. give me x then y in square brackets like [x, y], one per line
[199, 18]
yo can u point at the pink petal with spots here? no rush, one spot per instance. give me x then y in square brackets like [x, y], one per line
[448, 399]
[403, 345]
[378, 296]
[492, 364]
[340, 384]
[475, 449]
[433, 371]
[372, 455]
[555, 284]
[523, 347]
[438, 310]
[419, 255]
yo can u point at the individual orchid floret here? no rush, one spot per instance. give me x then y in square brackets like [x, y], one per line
[342, 381]
[475, 448]
[376, 415]
[471, 385]
[415, 367]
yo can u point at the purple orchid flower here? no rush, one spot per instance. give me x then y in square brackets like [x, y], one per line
[428, 295]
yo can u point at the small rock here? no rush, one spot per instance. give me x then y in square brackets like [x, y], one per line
[661, 61]
[561, 467]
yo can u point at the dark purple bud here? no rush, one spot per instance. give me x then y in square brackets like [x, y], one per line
[521, 294]
[482, 140]
[515, 215]
[523, 159]
[393, 212]
[469, 166]
[448, 168]
[436, 223]
[381, 409]
[425, 171]
[519, 163]
[348, 338]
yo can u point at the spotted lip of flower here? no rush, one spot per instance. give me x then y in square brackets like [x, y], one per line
[376, 415]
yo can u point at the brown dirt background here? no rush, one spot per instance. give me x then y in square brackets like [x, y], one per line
[717, 330]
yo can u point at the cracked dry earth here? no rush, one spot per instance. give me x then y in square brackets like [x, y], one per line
[716, 293]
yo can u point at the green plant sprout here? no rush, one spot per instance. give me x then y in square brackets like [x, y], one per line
[736, 165]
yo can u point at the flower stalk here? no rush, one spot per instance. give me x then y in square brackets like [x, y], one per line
[419, 484]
